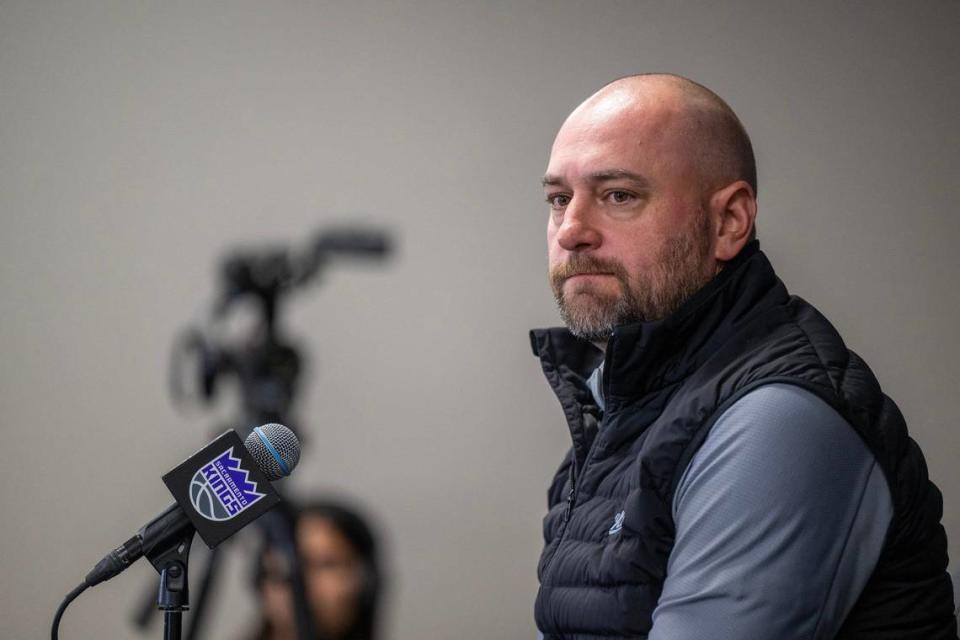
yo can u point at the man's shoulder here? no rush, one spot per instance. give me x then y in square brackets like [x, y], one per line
[788, 403]
[782, 435]
[783, 417]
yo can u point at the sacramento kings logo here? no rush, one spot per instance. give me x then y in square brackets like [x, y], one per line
[222, 488]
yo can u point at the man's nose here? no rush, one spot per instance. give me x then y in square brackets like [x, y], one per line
[578, 231]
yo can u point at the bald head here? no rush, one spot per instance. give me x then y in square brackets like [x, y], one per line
[688, 117]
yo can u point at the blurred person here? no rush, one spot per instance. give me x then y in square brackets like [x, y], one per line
[341, 570]
[735, 472]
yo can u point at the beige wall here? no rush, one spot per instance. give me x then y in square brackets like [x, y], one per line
[140, 139]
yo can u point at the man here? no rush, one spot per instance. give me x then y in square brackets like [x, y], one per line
[736, 472]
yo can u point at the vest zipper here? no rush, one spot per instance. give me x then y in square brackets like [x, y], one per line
[571, 502]
[569, 508]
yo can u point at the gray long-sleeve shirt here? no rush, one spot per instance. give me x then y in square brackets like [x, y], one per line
[780, 519]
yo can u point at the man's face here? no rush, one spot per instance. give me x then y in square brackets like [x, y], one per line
[629, 236]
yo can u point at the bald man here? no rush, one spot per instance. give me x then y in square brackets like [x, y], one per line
[736, 472]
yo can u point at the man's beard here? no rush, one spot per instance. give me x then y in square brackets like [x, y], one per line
[677, 274]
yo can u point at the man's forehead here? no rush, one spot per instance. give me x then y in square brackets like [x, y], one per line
[618, 118]
[612, 138]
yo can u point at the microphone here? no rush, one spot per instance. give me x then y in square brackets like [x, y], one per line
[218, 491]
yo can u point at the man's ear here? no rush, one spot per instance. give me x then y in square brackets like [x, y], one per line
[734, 209]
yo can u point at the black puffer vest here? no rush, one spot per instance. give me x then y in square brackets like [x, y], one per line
[664, 384]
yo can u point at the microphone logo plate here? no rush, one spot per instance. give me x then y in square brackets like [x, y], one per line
[222, 488]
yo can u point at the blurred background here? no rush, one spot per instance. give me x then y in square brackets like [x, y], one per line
[141, 141]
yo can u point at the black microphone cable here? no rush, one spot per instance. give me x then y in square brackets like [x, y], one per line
[55, 629]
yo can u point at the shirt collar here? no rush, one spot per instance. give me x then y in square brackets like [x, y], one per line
[595, 384]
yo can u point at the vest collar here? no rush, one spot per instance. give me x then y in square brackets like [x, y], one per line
[645, 356]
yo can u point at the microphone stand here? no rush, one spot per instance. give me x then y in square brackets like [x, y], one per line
[171, 562]
[208, 581]
[174, 596]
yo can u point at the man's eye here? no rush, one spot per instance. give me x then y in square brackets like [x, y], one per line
[620, 197]
[558, 201]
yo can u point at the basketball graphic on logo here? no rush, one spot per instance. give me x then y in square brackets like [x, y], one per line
[204, 500]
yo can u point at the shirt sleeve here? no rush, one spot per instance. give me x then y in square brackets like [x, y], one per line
[780, 519]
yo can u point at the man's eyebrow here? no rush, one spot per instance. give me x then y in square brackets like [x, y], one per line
[605, 175]
[617, 174]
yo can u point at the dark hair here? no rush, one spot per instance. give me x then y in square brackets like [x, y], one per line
[360, 535]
